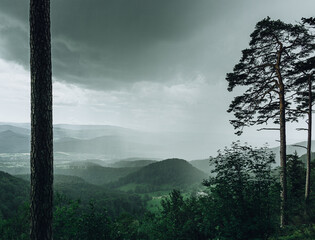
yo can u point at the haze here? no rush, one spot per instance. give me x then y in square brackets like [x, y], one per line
[152, 66]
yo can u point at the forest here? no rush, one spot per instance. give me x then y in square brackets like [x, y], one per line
[243, 195]
[241, 200]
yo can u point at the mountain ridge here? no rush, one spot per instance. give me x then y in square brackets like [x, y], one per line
[173, 172]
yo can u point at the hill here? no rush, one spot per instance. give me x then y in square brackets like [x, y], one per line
[94, 173]
[18, 130]
[12, 142]
[303, 158]
[170, 172]
[131, 163]
[202, 165]
[113, 146]
[101, 145]
[13, 193]
[90, 131]
[76, 188]
[291, 149]
[111, 141]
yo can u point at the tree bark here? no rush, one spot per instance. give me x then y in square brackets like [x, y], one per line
[283, 161]
[283, 150]
[309, 147]
[41, 121]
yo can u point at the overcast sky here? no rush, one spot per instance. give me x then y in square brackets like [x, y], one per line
[153, 65]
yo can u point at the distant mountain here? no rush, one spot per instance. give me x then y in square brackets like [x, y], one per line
[12, 142]
[112, 146]
[203, 165]
[172, 172]
[91, 131]
[303, 158]
[88, 127]
[291, 149]
[20, 125]
[131, 163]
[115, 142]
[93, 173]
[18, 130]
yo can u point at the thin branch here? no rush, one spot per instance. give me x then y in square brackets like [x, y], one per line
[302, 129]
[260, 129]
[295, 145]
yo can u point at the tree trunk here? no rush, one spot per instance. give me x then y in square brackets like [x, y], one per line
[283, 161]
[309, 147]
[41, 121]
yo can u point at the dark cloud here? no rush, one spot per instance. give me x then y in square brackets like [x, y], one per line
[107, 44]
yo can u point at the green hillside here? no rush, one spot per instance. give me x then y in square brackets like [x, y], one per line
[170, 172]
[13, 193]
[131, 163]
[95, 174]
[303, 158]
[75, 188]
[202, 165]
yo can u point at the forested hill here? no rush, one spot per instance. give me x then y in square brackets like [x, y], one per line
[94, 173]
[13, 192]
[131, 163]
[173, 172]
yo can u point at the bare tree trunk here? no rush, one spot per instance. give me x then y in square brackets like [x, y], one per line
[283, 162]
[309, 147]
[41, 121]
[283, 144]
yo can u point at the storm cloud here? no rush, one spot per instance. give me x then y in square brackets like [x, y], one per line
[114, 43]
[157, 65]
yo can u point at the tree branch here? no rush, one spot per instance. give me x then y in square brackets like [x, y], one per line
[260, 129]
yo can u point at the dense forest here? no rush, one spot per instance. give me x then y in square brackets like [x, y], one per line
[240, 200]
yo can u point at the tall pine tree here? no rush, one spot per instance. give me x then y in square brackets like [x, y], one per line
[264, 69]
[302, 81]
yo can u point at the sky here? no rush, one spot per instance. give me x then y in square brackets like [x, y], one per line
[151, 65]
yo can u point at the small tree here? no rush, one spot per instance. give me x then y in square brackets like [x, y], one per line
[264, 69]
[241, 188]
[296, 173]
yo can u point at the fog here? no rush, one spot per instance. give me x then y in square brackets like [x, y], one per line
[154, 68]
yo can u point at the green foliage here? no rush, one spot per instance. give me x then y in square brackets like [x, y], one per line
[17, 226]
[242, 191]
[241, 201]
[115, 201]
[94, 224]
[296, 186]
[181, 219]
[66, 218]
[303, 232]
[273, 43]
[13, 192]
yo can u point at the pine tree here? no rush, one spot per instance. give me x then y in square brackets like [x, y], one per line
[264, 69]
[305, 97]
